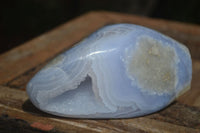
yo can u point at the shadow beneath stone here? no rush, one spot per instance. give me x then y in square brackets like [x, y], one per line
[30, 108]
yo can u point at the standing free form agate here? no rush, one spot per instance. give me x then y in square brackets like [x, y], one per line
[120, 71]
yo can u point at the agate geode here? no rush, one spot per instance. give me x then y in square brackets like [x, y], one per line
[120, 71]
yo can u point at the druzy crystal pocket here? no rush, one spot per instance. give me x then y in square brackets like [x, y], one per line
[119, 71]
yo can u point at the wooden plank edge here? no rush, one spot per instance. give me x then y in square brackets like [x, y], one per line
[187, 28]
[19, 56]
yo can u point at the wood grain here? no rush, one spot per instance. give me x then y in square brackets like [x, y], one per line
[15, 104]
[18, 66]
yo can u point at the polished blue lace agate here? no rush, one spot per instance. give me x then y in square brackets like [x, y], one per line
[120, 71]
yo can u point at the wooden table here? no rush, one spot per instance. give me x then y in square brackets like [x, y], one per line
[18, 65]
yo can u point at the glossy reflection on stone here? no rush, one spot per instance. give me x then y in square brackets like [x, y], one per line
[120, 71]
